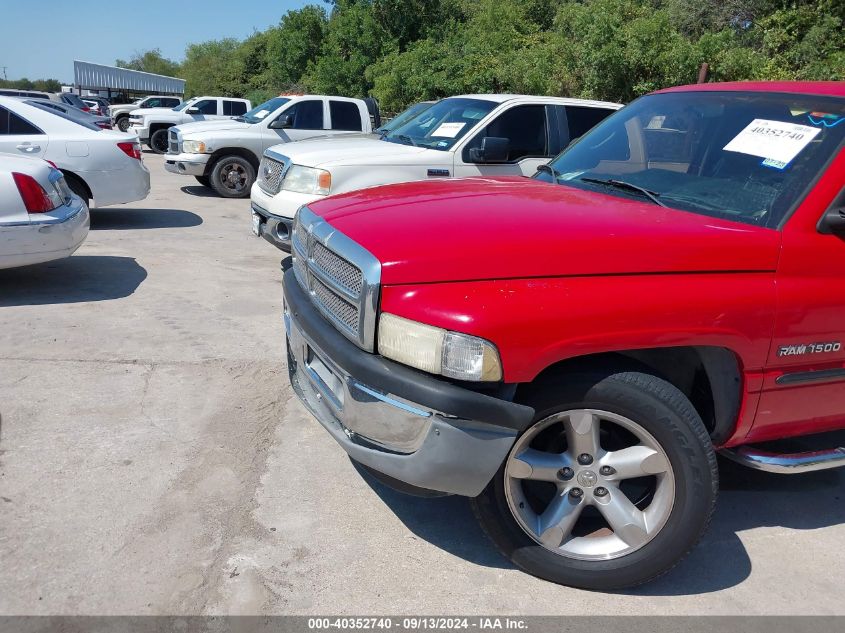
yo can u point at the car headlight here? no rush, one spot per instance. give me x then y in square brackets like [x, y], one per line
[307, 180]
[436, 350]
[193, 147]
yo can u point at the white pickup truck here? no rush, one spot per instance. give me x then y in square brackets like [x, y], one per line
[151, 125]
[224, 155]
[468, 135]
[120, 113]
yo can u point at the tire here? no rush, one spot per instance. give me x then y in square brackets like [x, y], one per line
[677, 497]
[79, 188]
[232, 176]
[158, 141]
[203, 180]
[122, 124]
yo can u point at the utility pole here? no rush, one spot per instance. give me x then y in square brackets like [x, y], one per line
[4, 71]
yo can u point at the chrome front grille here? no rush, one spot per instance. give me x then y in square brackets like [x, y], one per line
[271, 172]
[341, 277]
[173, 143]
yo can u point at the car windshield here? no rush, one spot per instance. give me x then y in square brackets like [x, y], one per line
[745, 156]
[403, 117]
[443, 124]
[259, 113]
[68, 114]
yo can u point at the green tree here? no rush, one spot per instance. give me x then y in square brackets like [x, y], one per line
[211, 68]
[292, 45]
[151, 61]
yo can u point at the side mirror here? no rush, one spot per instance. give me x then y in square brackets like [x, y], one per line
[282, 122]
[192, 111]
[833, 221]
[494, 149]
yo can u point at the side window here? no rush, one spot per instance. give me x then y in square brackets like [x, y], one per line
[307, 115]
[11, 123]
[525, 128]
[152, 103]
[581, 119]
[345, 115]
[170, 103]
[207, 106]
[233, 108]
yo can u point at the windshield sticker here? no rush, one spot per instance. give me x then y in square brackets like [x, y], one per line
[825, 119]
[449, 130]
[777, 164]
[262, 114]
[776, 140]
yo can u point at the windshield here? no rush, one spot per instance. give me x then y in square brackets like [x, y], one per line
[745, 156]
[403, 117]
[69, 114]
[184, 104]
[443, 124]
[259, 113]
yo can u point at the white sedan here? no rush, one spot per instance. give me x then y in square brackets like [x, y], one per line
[102, 167]
[41, 219]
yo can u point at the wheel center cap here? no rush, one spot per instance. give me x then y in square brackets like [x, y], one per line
[587, 478]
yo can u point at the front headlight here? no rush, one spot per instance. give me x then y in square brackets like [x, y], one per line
[436, 350]
[307, 180]
[193, 147]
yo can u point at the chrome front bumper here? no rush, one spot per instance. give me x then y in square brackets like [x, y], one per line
[176, 164]
[406, 440]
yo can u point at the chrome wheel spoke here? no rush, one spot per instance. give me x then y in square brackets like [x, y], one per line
[624, 518]
[557, 521]
[582, 434]
[635, 461]
[537, 465]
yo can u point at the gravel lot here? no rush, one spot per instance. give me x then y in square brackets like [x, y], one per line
[153, 460]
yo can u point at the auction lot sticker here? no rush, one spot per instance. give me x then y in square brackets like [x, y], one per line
[775, 141]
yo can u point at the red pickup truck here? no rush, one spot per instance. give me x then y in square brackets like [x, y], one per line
[572, 350]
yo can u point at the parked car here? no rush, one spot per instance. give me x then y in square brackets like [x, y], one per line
[74, 100]
[33, 94]
[98, 105]
[224, 155]
[102, 167]
[572, 351]
[151, 124]
[120, 113]
[40, 217]
[102, 122]
[467, 135]
[403, 117]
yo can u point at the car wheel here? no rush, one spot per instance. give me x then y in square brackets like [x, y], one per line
[610, 487]
[78, 187]
[232, 177]
[158, 141]
[123, 124]
[203, 180]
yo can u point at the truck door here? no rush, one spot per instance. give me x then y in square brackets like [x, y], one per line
[20, 137]
[804, 383]
[529, 143]
[305, 119]
[207, 110]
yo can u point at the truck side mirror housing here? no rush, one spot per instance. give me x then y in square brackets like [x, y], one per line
[833, 221]
[282, 122]
[494, 149]
[192, 111]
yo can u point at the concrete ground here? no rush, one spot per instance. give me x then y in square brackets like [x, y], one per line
[153, 460]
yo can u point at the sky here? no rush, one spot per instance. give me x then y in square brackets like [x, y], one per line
[42, 43]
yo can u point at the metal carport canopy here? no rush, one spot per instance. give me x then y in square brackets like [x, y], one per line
[97, 76]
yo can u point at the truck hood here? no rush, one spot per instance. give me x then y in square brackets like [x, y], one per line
[500, 228]
[219, 125]
[357, 149]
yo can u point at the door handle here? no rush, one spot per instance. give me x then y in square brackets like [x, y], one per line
[26, 147]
